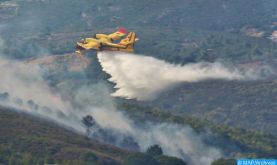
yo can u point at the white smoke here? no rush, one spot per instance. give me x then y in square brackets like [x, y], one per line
[29, 91]
[26, 83]
[179, 141]
[143, 77]
[175, 140]
[135, 76]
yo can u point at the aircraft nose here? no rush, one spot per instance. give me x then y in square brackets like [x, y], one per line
[79, 47]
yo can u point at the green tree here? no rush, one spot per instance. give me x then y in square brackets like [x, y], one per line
[154, 150]
[12, 160]
[139, 159]
[168, 160]
[89, 157]
[88, 122]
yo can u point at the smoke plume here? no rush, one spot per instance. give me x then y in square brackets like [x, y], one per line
[25, 88]
[175, 140]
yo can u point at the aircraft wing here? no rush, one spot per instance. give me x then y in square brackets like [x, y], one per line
[114, 45]
[89, 44]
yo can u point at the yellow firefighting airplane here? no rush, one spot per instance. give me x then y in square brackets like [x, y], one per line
[105, 42]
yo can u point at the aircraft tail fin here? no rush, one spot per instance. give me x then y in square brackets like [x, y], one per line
[129, 41]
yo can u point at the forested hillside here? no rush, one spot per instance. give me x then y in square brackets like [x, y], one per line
[26, 140]
[234, 141]
[241, 104]
[238, 117]
[178, 31]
